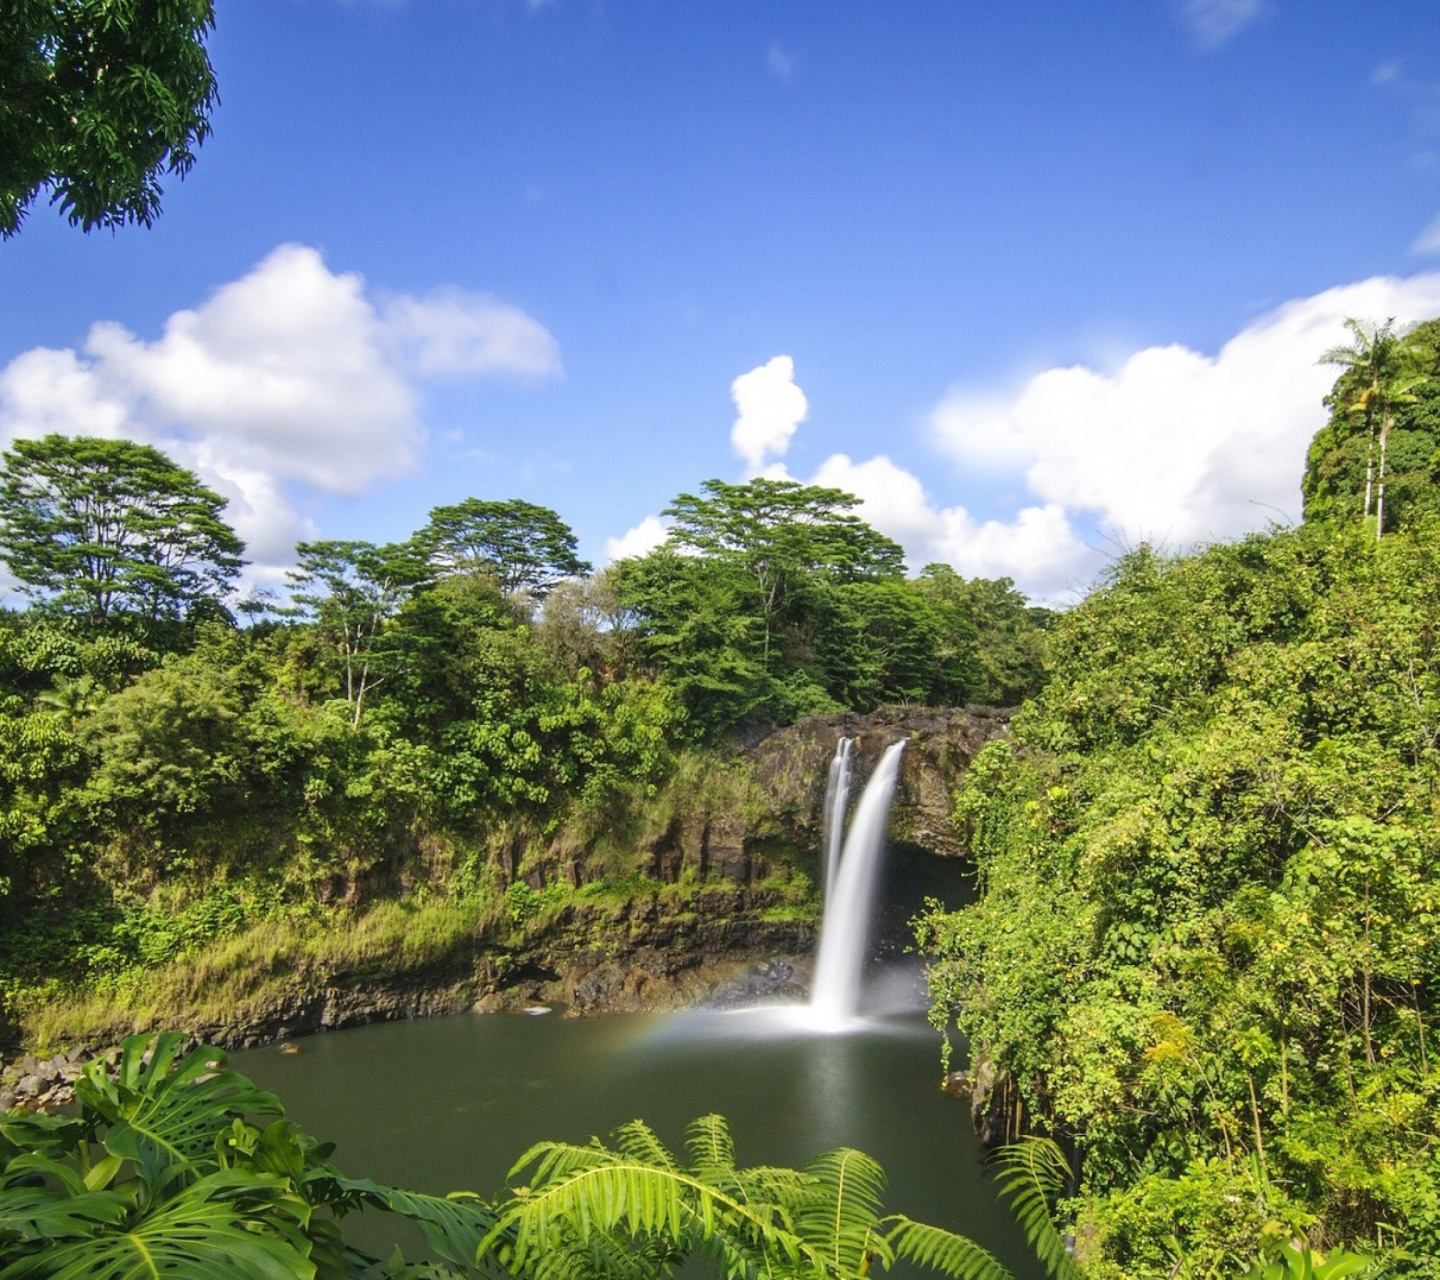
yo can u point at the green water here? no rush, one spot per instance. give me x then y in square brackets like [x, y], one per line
[450, 1103]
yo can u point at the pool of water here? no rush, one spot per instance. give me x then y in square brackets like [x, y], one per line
[451, 1103]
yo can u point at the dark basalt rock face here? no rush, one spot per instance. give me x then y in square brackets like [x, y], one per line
[793, 765]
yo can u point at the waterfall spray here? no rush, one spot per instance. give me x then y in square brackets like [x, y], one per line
[850, 899]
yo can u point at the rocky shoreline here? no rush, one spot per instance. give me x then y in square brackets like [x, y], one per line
[640, 956]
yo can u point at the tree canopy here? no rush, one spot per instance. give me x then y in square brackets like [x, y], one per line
[98, 99]
[108, 527]
[521, 545]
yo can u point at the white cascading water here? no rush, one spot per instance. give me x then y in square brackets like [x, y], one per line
[850, 901]
[837, 796]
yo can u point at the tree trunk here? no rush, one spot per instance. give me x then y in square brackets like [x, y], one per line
[1380, 503]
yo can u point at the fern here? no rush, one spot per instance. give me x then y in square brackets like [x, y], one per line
[1033, 1172]
[944, 1251]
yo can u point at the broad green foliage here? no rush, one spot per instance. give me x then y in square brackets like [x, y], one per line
[994, 642]
[98, 98]
[1205, 946]
[178, 1166]
[428, 721]
[104, 528]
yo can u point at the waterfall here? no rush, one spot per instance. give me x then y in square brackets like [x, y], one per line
[850, 897]
[837, 795]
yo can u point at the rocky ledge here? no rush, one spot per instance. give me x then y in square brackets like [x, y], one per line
[793, 766]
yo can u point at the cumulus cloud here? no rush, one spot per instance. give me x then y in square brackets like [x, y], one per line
[639, 541]
[469, 335]
[290, 379]
[1175, 445]
[1038, 548]
[769, 407]
[1215, 22]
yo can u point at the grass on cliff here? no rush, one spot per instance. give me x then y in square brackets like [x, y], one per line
[236, 979]
[233, 979]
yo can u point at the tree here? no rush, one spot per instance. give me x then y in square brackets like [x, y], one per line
[522, 545]
[996, 638]
[353, 590]
[106, 527]
[777, 531]
[98, 98]
[1382, 367]
[1336, 464]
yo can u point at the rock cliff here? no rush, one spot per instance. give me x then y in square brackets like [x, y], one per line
[792, 765]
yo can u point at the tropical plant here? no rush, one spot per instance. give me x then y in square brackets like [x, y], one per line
[1382, 368]
[635, 1210]
[167, 1172]
[1300, 1262]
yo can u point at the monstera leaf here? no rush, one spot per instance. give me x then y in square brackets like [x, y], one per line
[31, 1215]
[230, 1225]
[164, 1114]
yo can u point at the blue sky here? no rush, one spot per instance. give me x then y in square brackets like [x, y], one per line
[1035, 280]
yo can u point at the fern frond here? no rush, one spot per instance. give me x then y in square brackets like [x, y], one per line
[667, 1206]
[709, 1142]
[841, 1206]
[1033, 1172]
[956, 1256]
[637, 1141]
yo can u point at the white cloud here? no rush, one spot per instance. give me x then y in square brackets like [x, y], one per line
[639, 541]
[1177, 446]
[1038, 549]
[769, 407]
[1428, 241]
[290, 378]
[470, 335]
[1174, 446]
[1214, 22]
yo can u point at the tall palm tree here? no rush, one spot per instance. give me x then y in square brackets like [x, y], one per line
[1382, 366]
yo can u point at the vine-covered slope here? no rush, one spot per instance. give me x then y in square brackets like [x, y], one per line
[1206, 946]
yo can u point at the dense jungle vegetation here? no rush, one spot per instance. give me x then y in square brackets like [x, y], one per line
[1203, 953]
[1206, 947]
[426, 737]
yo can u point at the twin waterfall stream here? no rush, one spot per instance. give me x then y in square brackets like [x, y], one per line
[852, 875]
